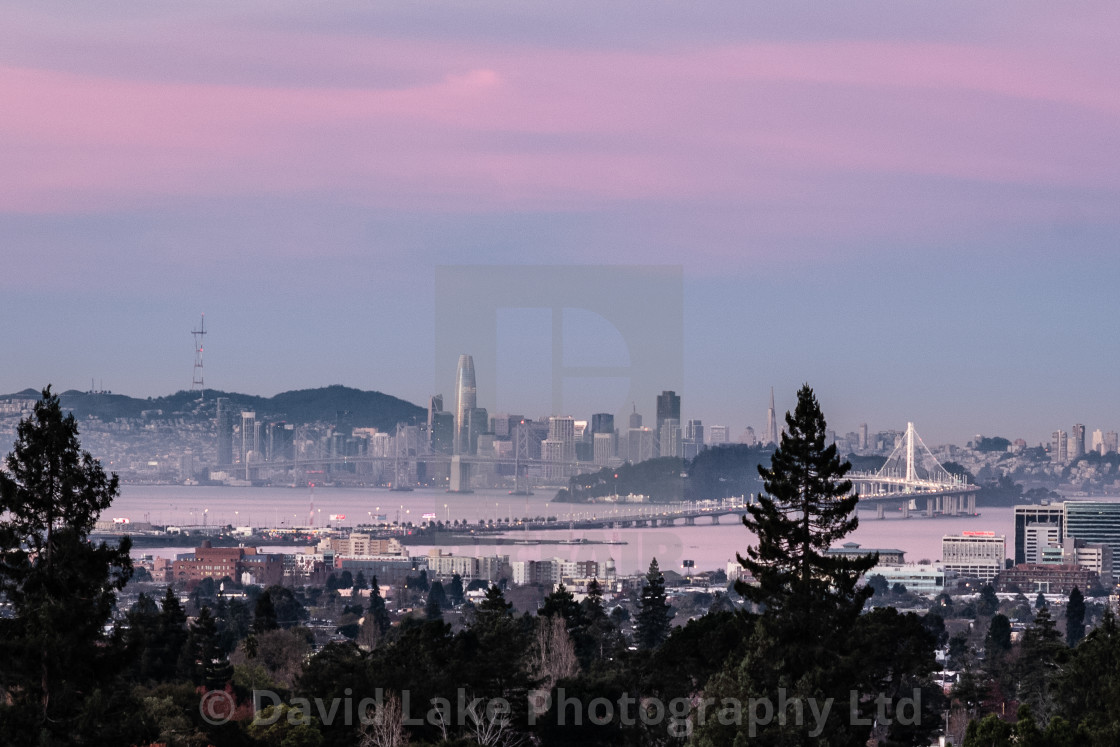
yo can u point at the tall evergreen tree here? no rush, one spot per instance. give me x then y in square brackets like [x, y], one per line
[654, 613]
[204, 662]
[437, 600]
[378, 613]
[60, 586]
[1075, 618]
[562, 602]
[493, 610]
[264, 614]
[810, 600]
[1040, 657]
[807, 507]
[455, 590]
[601, 636]
[1088, 690]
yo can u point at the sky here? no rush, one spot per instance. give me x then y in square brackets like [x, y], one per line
[913, 207]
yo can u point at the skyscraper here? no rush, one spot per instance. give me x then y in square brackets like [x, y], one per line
[465, 401]
[639, 444]
[1078, 446]
[602, 422]
[635, 418]
[1095, 522]
[771, 421]
[443, 433]
[435, 404]
[563, 430]
[1059, 447]
[670, 439]
[250, 439]
[668, 408]
[225, 432]
[478, 422]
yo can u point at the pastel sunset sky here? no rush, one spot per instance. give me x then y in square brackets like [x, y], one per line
[914, 207]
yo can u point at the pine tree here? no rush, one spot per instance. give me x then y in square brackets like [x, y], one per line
[654, 613]
[378, 613]
[807, 507]
[1042, 653]
[563, 603]
[809, 601]
[61, 588]
[172, 636]
[264, 614]
[493, 609]
[204, 661]
[1075, 618]
[455, 590]
[437, 600]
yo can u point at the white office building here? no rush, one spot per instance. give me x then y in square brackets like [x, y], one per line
[977, 555]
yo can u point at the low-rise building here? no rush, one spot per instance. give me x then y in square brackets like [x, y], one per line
[887, 556]
[978, 555]
[364, 544]
[1030, 578]
[242, 565]
[928, 580]
[388, 568]
[446, 565]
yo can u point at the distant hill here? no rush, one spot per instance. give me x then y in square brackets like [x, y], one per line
[365, 409]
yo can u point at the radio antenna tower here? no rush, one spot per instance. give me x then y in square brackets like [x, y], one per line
[197, 384]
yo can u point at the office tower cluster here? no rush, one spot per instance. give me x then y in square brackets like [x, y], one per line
[562, 440]
[1066, 447]
[1073, 533]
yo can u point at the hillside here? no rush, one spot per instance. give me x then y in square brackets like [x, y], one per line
[365, 409]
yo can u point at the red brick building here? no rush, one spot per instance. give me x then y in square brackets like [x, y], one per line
[242, 565]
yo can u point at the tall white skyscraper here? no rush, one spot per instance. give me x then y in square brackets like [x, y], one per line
[250, 436]
[771, 421]
[466, 395]
[563, 430]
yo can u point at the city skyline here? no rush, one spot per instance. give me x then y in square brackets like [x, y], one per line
[913, 210]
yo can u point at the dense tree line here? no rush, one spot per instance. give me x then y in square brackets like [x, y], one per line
[806, 642]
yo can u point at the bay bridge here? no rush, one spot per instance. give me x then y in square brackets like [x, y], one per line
[909, 476]
[912, 474]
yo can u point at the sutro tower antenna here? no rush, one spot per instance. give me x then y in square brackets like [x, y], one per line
[197, 384]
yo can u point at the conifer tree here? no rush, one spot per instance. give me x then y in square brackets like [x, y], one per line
[455, 590]
[378, 613]
[437, 600]
[61, 587]
[654, 613]
[1042, 653]
[264, 614]
[172, 636]
[808, 506]
[1075, 618]
[802, 641]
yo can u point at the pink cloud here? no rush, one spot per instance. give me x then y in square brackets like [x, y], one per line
[463, 127]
